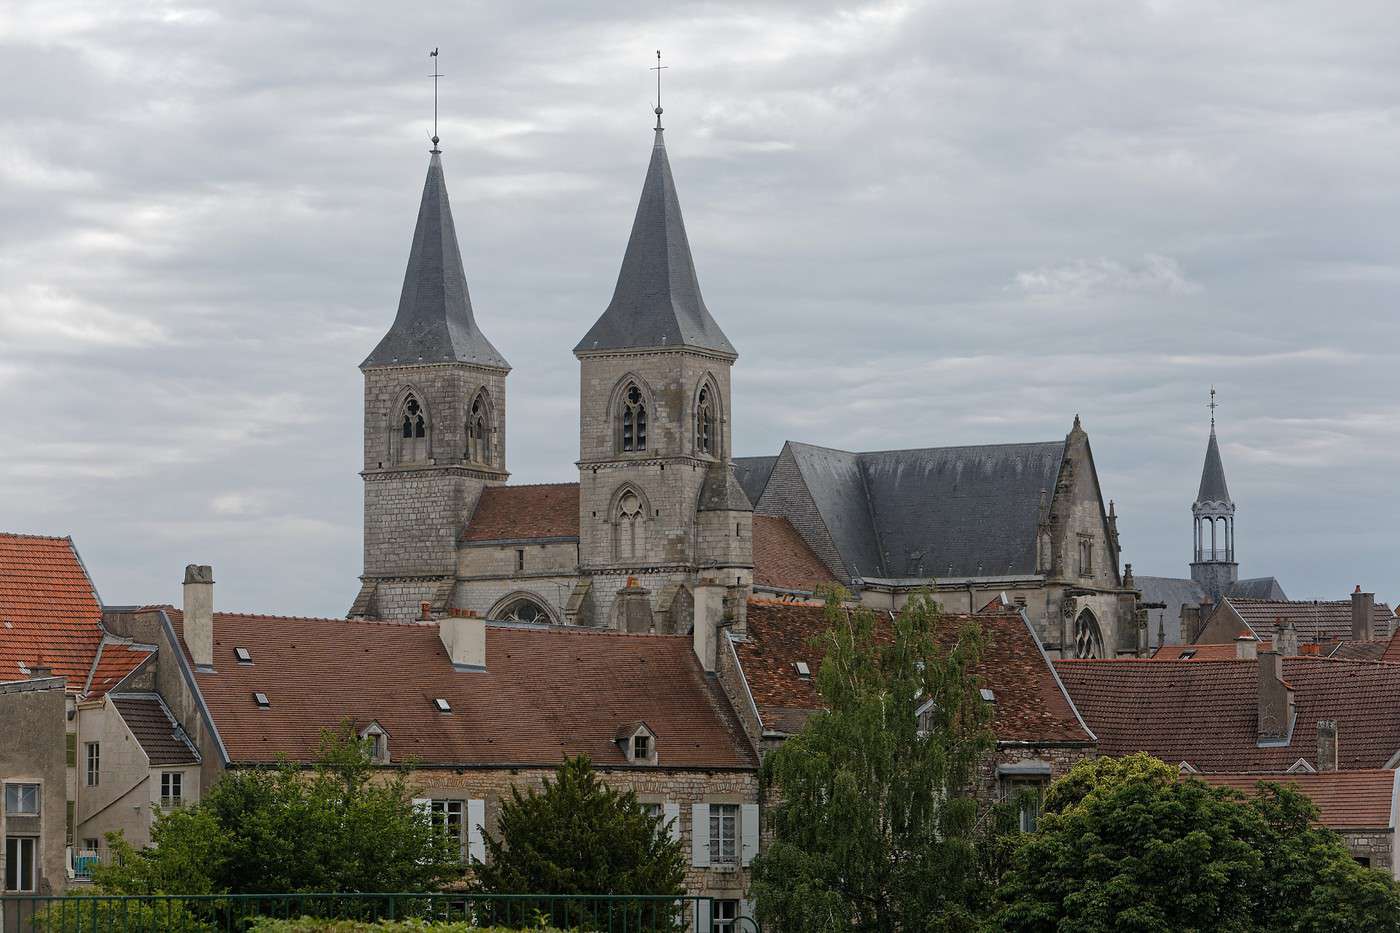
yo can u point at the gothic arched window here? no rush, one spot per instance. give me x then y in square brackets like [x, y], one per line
[634, 419]
[629, 541]
[479, 431]
[413, 430]
[524, 609]
[1088, 643]
[705, 423]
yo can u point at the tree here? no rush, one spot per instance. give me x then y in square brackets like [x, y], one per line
[875, 826]
[1145, 851]
[579, 836]
[336, 829]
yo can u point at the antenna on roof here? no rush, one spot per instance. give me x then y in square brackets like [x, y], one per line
[1212, 405]
[435, 75]
[658, 68]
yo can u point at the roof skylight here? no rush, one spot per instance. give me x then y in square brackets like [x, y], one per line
[261, 700]
[988, 695]
[803, 669]
[242, 655]
[442, 705]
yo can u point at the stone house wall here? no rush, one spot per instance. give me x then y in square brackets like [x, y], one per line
[33, 720]
[1374, 847]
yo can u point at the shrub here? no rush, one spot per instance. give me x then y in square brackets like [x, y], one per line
[312, 925]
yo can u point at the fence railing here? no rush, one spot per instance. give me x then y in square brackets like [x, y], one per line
[80, 913]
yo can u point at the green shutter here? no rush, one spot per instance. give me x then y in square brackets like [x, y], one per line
[72, 749]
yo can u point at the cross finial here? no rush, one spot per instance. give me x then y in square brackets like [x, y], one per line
[435, 75]
[658, 68]
[1212, 405]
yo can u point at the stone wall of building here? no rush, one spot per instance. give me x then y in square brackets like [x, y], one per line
[486, 596]
[500, 560]
[32, 751]
[1373, 847]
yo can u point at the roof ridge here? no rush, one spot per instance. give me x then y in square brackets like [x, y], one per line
[528, 486]
[35, 537]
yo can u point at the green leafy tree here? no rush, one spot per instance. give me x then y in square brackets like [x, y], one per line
[875, 826]
[334, 829]
[579, 836]
[1143, 851]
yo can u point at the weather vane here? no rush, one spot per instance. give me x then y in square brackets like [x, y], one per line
[435, 75]
[1212, 405]
[658, 68]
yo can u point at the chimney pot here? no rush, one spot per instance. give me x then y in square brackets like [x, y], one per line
[198, 614]
[425, 610]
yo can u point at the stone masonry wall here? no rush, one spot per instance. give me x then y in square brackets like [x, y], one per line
[1374, 847]
[33, 723]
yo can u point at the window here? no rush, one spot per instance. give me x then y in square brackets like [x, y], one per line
[413, 430]
[94, 763]
[1088, 643]
[804, 670]
[724, 832]
[652, 810]
[442, 705]
[242, 656]
[479, 431]
[705, 422]
[449, 817]
[630, 534]
[1026, 795]
[22, 799]
[641, 747]
[262, 700]
[19, 863]
[634, 419]
[1086, 556]
[524, 610]
[520, 560]
[171, 788]
[726, 916]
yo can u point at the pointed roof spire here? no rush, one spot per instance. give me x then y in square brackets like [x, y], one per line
[1213, 488]
[657, 300]
[434, 323]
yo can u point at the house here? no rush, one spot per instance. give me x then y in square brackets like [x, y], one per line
[1358, 622]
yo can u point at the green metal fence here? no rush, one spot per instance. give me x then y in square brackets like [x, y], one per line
[91, 913]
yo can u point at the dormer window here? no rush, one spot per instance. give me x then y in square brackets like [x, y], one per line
[376, 743]
[638, 743]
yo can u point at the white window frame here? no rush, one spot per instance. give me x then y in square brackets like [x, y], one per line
[172, 780]
[1027, 817]
[93, 758]
[15, 794]
[725, 918]
[450, 816]
[18, 864]
[722, 816]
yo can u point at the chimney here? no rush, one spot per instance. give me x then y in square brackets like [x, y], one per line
[709, 616]
[633, 608]
[1247, 647]
[1275, 698]
[1362, 610]
[425, 611]
[465, 641]
[199, 614]
[1286, 639]
[1327, 749]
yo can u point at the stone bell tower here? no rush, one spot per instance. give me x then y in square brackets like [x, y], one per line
[1213, 563]
[434, 428]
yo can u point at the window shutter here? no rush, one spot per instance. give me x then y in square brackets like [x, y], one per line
[671, 815]
[702, 908]
[700, 838]
[746, 910]
[748, 830]
[476, 821]
[72, 738]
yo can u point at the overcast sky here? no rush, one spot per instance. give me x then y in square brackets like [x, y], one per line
[920, 224]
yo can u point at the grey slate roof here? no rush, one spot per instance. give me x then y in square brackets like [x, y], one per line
[721, 491]
[753, 473]
[1213, 488]
[657, 301]
[434, 323]
[1258, 588]
[1175, 592]
[929, 512]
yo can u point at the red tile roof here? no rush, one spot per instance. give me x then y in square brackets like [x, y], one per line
[115, 660]
[1315, 620]
[1030, 706]
[513, 513]
[1202, 652]
[155, 729]
[1392, 648]
[1206, 712]
[546, 692]
[49, 610]
[1345, 799]
[781, 559]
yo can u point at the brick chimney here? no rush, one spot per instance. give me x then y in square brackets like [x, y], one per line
[465, 641]
[1327, 748]
[1362, 610]
[199, 614]
[1275, 698]
[1247, 647]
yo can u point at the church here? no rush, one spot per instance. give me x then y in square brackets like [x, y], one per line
[664, 517]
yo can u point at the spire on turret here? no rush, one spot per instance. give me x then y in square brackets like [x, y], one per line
[435, 323]
[1213, 488]
[657, 302]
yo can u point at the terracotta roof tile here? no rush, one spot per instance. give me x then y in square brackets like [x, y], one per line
[1206, 712]
[155, 729]
[781, 559]
[546, 692]
[1392, 648]
[1030, 706]
[116, 659]
[512, 513]
[1202, 652]
[1345, 799]
[49, 609]
[1316, 620]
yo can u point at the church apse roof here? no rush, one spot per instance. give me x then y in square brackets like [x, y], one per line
[657, 302]
[435, 323]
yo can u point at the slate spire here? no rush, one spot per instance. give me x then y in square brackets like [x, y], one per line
[657, 302]
[1213, 488]
[434, 323]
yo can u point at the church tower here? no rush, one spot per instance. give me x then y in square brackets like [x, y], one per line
[660, 509]
[1214, 566]
[434, 424]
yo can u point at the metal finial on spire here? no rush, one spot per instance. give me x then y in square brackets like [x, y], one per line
[1212, 405]
[658, 68]
[435, 75]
